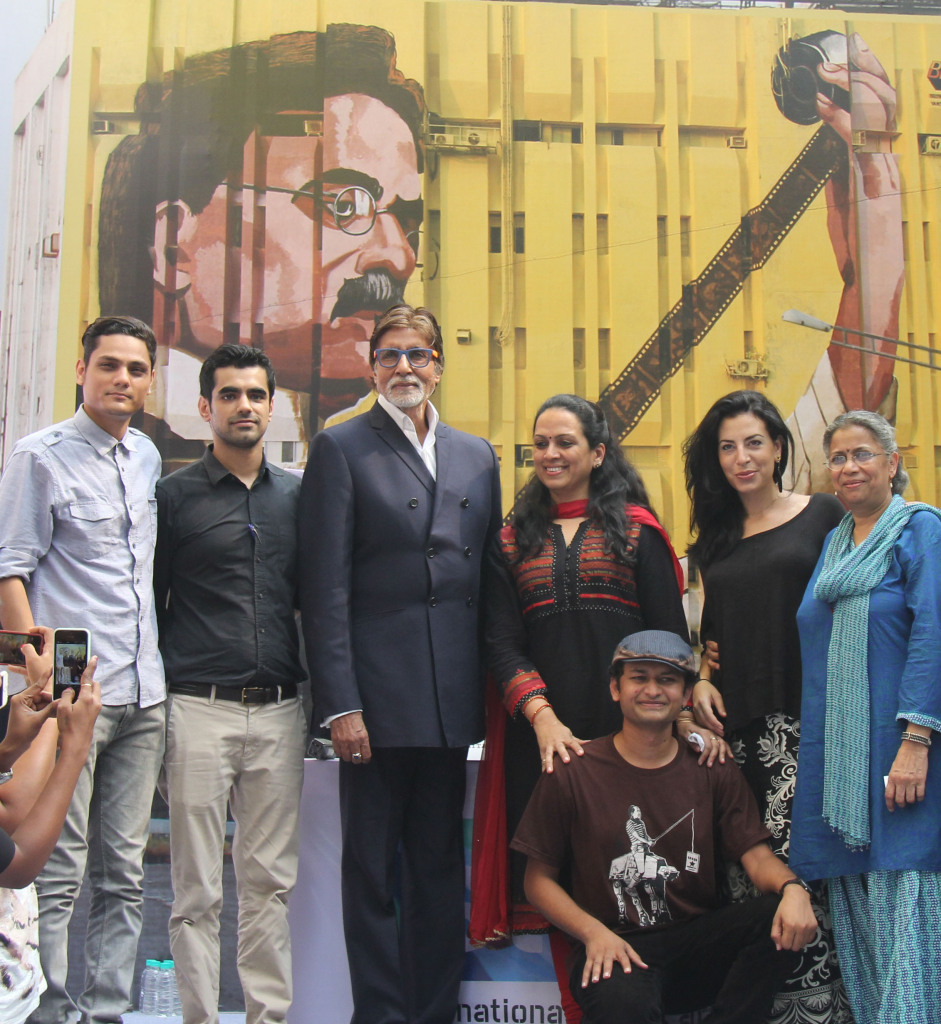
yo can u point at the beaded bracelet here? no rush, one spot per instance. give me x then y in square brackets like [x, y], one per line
[538, 710]
[539, 694]
[912, 737]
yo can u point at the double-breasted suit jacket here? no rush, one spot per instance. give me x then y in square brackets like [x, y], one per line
[390, 579]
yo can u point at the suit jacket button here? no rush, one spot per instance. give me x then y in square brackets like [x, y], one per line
[431, 552]
[413, 502]
[465, 502]
[467, 552]
[470, 602]
[433, 601]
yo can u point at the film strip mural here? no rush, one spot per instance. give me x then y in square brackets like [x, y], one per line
[706, 298]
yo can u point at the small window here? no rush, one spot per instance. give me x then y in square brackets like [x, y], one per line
[527, 131]
[524, 456]
[578, 233]
[571, 133]
[607, 136]
[602, 234]
[519, 232]
[496, 232]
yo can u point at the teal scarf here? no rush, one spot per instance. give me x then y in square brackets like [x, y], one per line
[849, 574]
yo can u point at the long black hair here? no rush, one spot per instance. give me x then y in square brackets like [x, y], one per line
[612, 485]
[717, 516]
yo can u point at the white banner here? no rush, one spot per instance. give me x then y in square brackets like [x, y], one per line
[506, 986]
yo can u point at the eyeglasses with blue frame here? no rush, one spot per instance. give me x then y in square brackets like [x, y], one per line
[388, 358]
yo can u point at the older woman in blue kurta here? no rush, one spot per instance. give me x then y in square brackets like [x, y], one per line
[867, 812]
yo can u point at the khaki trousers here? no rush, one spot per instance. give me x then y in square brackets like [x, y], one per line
[250, 757]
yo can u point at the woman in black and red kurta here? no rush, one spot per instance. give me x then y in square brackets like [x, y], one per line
[583, 564]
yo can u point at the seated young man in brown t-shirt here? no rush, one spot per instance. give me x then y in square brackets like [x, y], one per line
[638, 826]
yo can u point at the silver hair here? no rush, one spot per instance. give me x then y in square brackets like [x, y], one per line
[883, 433]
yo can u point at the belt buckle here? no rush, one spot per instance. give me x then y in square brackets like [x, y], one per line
[263, 690]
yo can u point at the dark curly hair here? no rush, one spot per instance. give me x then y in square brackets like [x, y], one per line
[717, 517]
[612, 486]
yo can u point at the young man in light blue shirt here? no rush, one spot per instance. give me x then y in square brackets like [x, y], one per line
[77, 533]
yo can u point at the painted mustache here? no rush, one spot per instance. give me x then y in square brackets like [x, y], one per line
[375, 290]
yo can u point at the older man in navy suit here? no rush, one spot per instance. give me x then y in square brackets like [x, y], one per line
[396, 511]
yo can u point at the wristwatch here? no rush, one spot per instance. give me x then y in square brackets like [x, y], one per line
[796, 881]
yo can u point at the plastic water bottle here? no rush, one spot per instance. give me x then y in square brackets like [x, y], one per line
[163, 990]
[175, 1005]
[149, 980]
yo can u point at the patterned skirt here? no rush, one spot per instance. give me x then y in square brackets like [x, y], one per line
[766, 751]
[889, 936]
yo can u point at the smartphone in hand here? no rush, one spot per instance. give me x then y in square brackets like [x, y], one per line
[11, 646]
[72, 651]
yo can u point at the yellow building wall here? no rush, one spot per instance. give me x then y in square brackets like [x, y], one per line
[614, 225]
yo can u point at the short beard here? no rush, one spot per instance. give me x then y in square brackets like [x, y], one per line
[409, 400]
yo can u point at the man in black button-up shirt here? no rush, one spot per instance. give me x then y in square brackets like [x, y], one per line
[225, 575]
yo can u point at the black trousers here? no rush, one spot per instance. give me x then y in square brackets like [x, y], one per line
[724, 959]
[405, 968]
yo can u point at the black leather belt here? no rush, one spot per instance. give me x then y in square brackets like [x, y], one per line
[243, 694]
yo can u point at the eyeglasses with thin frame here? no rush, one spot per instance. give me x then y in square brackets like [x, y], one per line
[861, 456]
[388, 358]
[353, 209]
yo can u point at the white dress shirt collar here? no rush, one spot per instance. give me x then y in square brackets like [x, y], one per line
[426, 448]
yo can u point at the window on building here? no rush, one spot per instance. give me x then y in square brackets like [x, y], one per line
[578, 233]
[519, 232]
[602, 234]
[527, 131]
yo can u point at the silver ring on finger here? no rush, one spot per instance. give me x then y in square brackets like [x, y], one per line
[357, 756]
